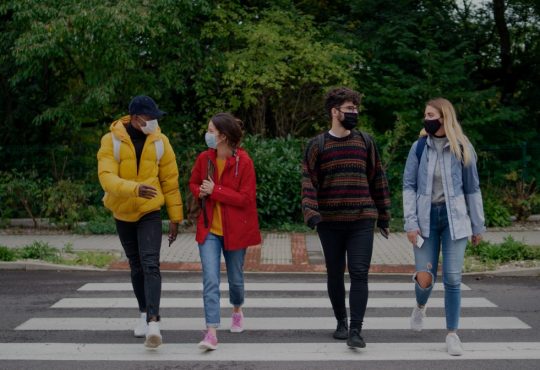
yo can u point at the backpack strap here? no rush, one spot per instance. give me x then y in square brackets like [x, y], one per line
[367, 140]
[160, 149]
[116, 147]
[420, 147]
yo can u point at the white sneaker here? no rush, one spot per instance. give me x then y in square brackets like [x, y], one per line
[417, 318]
[142, 326]
[453, 344]
[153, 337]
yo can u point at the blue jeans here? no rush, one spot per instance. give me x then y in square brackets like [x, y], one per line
[427, 259]
[210, 252]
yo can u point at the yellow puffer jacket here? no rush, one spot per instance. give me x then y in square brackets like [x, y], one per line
[120, 180]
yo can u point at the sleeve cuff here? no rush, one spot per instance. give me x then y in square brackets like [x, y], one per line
[313, 221]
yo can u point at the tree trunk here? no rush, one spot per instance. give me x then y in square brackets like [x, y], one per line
[508, 82]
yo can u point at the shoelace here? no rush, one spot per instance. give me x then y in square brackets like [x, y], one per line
[237, 318]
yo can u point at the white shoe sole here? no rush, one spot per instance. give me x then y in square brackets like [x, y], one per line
[207, 346]
[152, 341]
[415, 328]
[237, 330]
[139, 334]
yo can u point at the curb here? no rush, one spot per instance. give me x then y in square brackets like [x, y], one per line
[44, 266]
[262, 268]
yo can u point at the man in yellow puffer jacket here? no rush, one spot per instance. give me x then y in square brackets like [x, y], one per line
[138, 172]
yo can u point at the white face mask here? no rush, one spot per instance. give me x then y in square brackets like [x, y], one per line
[151, 127]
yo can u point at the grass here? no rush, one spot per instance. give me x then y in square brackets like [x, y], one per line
[42, 251]
[489, 256]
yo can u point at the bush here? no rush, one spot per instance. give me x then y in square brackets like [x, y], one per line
[496, 213]
[521, 195]
[99, 220]
[40, 251]
[7, 254]
[65, 200]
[278, 167]
[22, 194]
[508, 250]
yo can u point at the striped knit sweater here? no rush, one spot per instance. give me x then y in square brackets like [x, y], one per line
[346, 183]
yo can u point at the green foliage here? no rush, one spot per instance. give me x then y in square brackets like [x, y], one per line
[98, 259]
[509, 250]
[64, 201]
[98, 220]
[40, 251]
[44, 252]
[496, 212]
[23, 194]
[68, 69]
[280, 70]
[7, 254]
[520, 195]
[277, 165]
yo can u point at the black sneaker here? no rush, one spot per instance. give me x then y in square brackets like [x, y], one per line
[342, 330]
[355, 339]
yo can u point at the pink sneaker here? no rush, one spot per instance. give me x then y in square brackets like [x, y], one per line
[237, 325]
[209, 342]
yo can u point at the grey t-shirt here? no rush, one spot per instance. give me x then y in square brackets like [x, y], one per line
[437, 193]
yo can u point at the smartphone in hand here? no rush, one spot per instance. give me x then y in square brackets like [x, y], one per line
[419, 241]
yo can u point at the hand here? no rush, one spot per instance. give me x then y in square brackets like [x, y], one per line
[173, 232]
[476, 239]
[207, 186]
[385, 232]
[412, 235]
[147, 191]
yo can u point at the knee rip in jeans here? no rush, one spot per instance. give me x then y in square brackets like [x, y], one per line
[424, 279]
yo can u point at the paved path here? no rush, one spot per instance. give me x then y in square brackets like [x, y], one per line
[280, 252]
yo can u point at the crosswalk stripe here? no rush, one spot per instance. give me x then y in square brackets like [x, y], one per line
[284, 287]
[267, 352]
[267, 323]
[259, 302]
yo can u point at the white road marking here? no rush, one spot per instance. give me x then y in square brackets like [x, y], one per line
[278, 287]
[267, 352]
[267, 323]
[259, 302]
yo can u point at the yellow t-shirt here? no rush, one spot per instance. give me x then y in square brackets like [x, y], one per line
[217, 225]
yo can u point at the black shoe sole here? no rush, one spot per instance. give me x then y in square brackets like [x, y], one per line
[356, 345]
[340, 337]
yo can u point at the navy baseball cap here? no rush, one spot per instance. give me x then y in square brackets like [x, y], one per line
[145, 105]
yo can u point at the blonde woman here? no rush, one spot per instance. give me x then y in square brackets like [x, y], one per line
[442, 207]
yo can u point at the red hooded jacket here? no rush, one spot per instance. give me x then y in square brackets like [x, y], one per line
[236, 192]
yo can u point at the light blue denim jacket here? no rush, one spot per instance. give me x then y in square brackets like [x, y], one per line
[461, 191]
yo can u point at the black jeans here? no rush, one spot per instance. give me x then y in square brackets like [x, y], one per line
[142, 243]
[357, 244]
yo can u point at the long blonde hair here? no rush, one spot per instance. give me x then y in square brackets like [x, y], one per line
[460, 145]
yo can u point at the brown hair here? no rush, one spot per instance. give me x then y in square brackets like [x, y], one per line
[337, 96]
[230, 126]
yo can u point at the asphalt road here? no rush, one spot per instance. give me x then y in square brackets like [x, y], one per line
[39, 306]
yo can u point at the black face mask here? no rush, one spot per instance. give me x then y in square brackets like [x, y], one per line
[350, 121]
[432, 126]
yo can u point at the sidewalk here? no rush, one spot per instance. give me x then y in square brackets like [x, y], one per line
[280, 252]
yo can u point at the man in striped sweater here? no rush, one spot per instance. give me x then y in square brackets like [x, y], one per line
[344, 193]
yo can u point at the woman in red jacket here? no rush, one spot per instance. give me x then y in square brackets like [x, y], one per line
[223, 179]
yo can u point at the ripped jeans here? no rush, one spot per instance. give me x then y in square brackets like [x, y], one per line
[427, 259]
